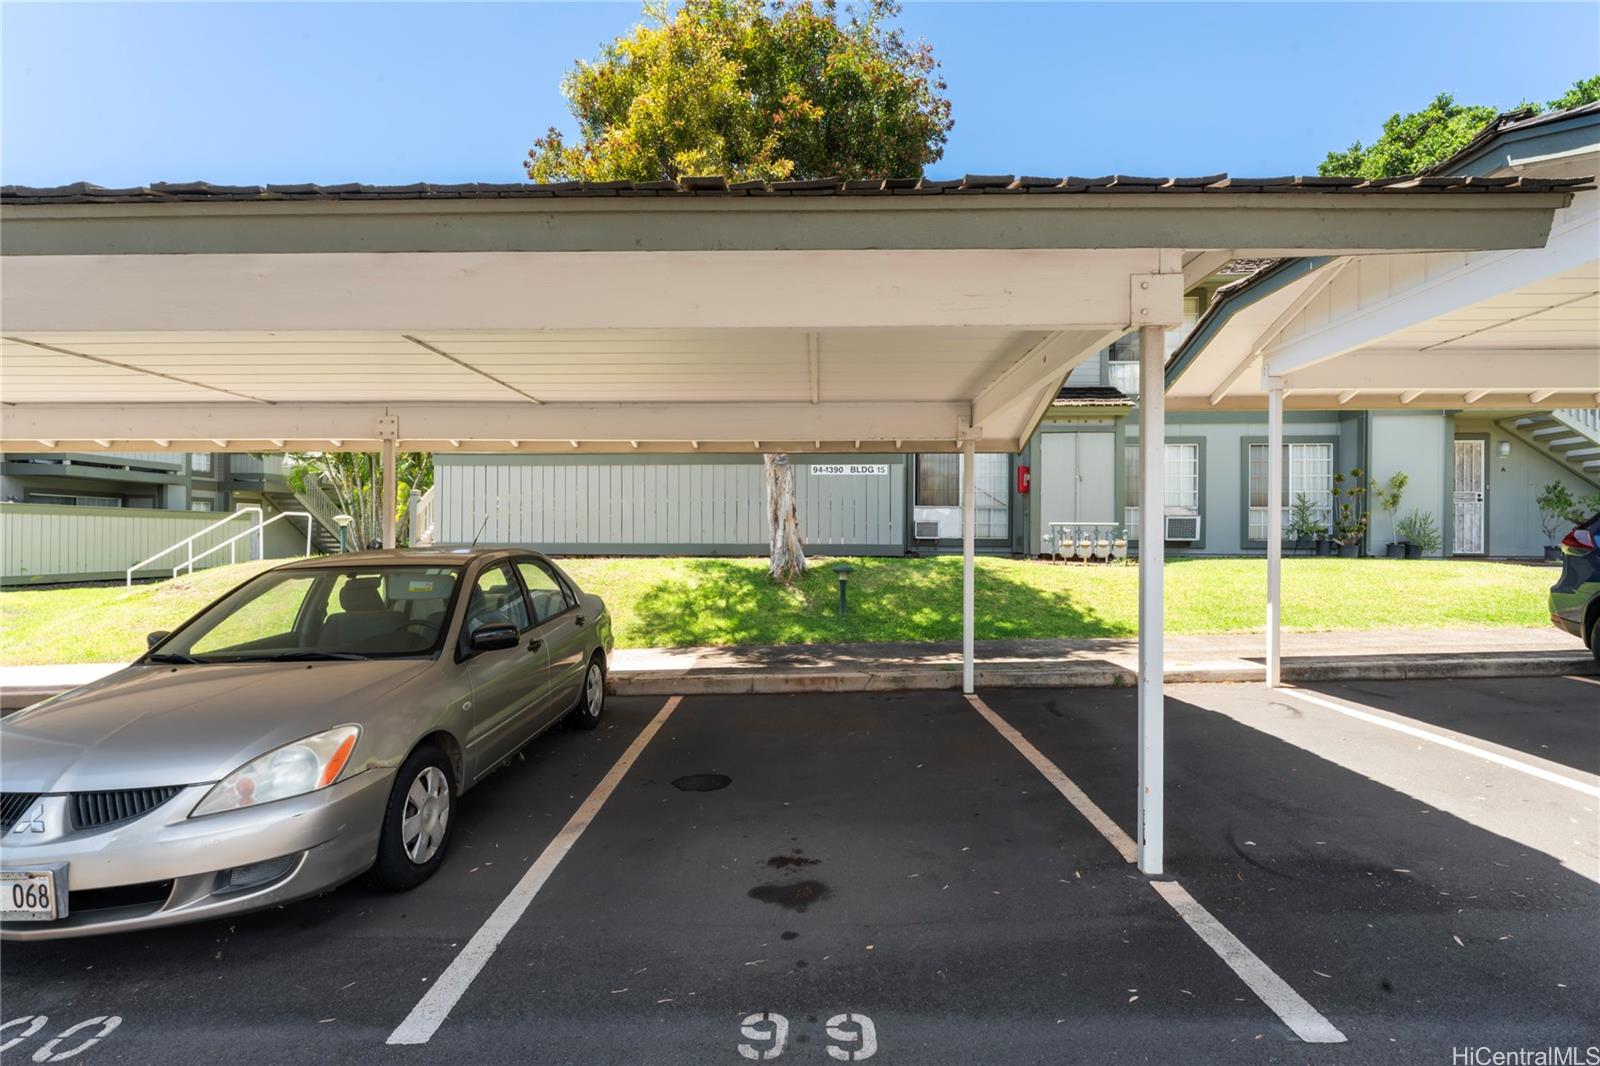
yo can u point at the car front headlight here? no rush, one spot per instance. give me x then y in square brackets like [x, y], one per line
[292, 770]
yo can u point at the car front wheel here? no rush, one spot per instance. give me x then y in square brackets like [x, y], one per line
[416, 826]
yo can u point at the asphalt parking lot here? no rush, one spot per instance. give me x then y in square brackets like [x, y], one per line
[887, 877]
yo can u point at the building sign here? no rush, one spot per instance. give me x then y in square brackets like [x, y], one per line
[870, 469]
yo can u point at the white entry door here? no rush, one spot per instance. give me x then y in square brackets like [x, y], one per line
[1075, 483]
[1470, 466]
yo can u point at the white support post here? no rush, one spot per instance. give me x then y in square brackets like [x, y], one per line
[1152, 558]
[389, 492]
[969, 532]
[1274, 529]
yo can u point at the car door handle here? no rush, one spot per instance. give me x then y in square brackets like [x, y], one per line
[535, 644]
[581, 619]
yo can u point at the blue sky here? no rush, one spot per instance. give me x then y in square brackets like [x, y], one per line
[125, 94]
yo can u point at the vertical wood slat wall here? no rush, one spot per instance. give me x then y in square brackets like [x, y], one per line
[42, 541]
[616, 505]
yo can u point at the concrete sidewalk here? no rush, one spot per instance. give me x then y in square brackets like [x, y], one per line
[1384, 655]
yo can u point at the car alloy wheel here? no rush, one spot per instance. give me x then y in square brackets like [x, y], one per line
[426, 815]
[592, 700]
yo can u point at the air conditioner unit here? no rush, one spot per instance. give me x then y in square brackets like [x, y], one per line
[1183, 527]
[927, 530]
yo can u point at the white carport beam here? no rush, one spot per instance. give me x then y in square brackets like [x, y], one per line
[1462, 370]
[969, 533]
[419, 293]
[715, 425]
[1313, 288]
[1152, 558]
[1202, 265]
[1042, 368]
[1274, 530]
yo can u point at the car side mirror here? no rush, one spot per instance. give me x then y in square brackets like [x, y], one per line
[152, 639]
[495, 636]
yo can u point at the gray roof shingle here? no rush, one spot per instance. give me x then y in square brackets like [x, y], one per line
[716, 185]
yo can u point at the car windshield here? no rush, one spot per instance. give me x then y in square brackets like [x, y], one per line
[336, 612]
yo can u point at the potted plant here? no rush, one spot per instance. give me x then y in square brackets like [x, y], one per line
[1350, 513]
[1388, 495]
[1420, 535]
[1556, 506]
[1303, 524]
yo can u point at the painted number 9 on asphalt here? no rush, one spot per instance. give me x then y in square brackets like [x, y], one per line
[851, 1037]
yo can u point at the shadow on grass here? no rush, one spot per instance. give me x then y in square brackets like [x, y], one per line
[733, 601]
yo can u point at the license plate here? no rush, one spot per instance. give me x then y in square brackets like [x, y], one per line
[36, 895]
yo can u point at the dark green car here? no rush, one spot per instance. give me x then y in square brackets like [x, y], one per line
[1575, 597]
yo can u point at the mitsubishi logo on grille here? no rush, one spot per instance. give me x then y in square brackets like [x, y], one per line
[32, 822]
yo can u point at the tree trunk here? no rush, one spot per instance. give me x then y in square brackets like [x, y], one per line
[783, 520]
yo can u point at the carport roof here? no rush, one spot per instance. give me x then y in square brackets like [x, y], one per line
[1513, 329]
[677, 316]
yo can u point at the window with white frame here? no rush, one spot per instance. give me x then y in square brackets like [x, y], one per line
[1307, 471]
[1183, 482]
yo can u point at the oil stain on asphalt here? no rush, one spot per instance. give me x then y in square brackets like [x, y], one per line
[702, 782]
[794, 896]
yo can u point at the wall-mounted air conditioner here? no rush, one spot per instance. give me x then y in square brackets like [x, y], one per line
[927, 530]
[1183, 527]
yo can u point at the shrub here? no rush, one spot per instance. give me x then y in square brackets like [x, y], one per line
[1418, 528]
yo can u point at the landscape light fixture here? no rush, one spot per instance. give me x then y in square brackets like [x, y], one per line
[343, 521]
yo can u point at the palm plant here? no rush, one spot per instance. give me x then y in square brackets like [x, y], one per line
[351, 479]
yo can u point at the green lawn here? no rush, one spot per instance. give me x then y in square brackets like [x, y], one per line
[678, 602]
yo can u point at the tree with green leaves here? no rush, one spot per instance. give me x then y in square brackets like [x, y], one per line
[751, 89]
[1415, 141]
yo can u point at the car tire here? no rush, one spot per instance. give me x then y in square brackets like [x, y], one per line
[417, 823]
[1594, 639]
[585, 714]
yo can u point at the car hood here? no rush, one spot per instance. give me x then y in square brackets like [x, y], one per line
[150, 726]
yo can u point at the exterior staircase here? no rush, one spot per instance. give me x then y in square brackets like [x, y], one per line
[261, 480]
[1571, 437]
[324, 533]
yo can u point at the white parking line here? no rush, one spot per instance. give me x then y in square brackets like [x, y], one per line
[1301, 1017]
[1271, 989]
[1063, 784]
[1447, 740]
[431, 1011]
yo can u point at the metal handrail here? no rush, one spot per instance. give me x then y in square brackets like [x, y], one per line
[188, 542]
[258, 529]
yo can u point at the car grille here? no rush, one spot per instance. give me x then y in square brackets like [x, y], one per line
[91, 810]
[12, 807]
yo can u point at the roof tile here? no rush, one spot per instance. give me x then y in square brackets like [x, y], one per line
[173, 192]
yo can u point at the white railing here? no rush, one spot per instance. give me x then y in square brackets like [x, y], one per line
[422, 520]
[1087, 540]
[232, 543]
[256, 531]
[188, 542]
[1583, 416]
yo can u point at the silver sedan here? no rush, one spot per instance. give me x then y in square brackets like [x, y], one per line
[319, 721]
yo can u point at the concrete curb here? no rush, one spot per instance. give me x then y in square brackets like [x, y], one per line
[1086, 675]
[1091, 674]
